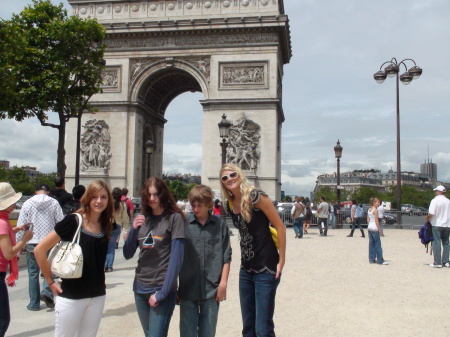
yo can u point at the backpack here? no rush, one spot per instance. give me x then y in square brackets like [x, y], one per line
[359, 212]
[426, 236]
[70, 207]
[128, 209]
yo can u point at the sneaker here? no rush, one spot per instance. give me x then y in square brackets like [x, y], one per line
[33, 309]
[385, 263]
[48, 301]
[447, 265]
[349, 236]
[432, 265]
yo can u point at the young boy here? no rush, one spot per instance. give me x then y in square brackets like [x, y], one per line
[206, 265]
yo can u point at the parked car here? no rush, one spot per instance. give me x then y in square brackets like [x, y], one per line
[420, 211]
[409, 209]
[388, 219]
[22, 199]
[284, 211]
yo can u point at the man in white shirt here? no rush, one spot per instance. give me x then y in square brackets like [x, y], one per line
[324, 212]
[380, 210]
[43, 212]
[439, 217]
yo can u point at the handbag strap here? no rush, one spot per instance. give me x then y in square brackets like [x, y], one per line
[77, 235]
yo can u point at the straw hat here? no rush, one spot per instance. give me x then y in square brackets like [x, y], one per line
[8, 196]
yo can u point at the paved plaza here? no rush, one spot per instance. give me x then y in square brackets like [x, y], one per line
[328, 288]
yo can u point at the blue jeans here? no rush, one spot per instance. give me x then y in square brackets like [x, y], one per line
[33, 280]
[155, 321]
[111, 253]
[298, 227]
[257, 296]
[440, 236]
[356, 222]
[332, 220]
[375, 250]
[5, 315]
[198, 318]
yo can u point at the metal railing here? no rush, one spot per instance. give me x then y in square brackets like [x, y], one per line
[410, 220]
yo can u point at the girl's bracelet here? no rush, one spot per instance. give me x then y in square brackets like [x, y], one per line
[51, 283]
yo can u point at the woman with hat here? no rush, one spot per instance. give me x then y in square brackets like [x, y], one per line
[9, 250]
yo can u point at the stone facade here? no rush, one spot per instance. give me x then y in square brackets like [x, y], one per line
[231, 51]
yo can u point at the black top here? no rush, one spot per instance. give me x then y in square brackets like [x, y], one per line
[94, 247]
[258, 251]
[61, 195]
[207, 249]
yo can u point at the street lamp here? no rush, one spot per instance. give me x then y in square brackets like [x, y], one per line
[338, 154]
[149, 146]
[77, 154]
[224, 129]
[392, 70]
[81, 111]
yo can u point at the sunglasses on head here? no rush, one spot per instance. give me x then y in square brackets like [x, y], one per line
[232, 175]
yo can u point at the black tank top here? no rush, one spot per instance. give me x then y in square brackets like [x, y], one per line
[258, 251]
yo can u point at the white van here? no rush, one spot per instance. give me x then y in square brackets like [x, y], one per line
[386, 205]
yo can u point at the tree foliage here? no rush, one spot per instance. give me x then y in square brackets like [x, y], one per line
[22, 182]
[49, 62]
[179, 189]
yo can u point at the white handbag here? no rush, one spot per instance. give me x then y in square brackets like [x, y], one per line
[66, 257]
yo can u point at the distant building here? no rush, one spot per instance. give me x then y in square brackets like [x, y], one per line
[31, 171]
[185, 178]
[429, 168]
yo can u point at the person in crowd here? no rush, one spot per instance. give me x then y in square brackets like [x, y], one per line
[356, 219]
[80, 301]
[374, 233]
[217, 209]
[60, 193]
[332, 214]
[75, 203]
[252, 212]
[439, 217]
[308, 215]
[337, 213]
[380, 210]
[121, 218]
[130, 212]
[159, 234]
[206, 266]
[188, 208]
[43, 212]
[324, 213]
[297, 217]
[9, 250]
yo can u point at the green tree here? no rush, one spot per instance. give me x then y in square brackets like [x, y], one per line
[49, 62]
[22, 182]
[178, 188]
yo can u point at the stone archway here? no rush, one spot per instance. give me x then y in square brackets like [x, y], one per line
[233, 52]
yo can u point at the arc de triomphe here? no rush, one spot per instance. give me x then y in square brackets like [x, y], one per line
[232, 51]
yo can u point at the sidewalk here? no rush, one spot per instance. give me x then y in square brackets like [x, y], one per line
[328, 288]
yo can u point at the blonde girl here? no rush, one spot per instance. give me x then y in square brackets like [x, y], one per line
[261, 263]
[375, 231]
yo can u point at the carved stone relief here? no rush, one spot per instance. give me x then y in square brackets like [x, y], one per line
[95, 144]
[202, 63]
[246, 75]
[191, 41]
[243, 148]
[111, 78]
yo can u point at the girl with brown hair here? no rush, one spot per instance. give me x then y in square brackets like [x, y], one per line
[80, 302]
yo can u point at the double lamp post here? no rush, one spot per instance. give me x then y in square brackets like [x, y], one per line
[392, 70]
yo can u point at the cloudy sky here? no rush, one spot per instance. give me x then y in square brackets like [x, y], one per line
[329, 94]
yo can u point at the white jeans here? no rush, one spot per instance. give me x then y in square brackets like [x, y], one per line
[78, 317]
